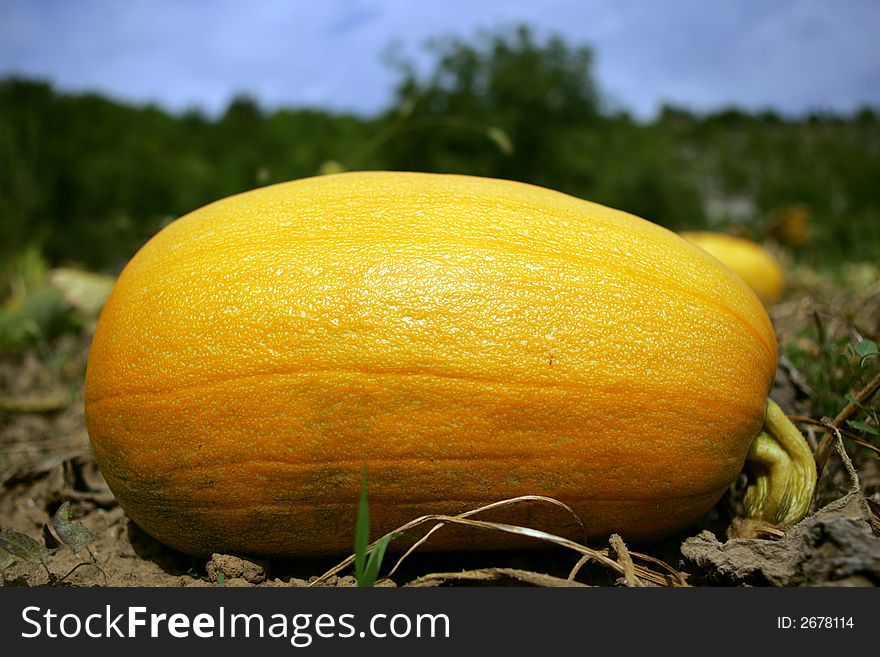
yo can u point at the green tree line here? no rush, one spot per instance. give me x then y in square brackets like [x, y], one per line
[87, 180]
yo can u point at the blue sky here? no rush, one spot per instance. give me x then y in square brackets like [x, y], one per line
[790, 55]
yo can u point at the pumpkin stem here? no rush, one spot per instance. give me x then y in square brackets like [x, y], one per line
[783, 469]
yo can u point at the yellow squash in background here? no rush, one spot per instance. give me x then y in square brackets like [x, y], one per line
[753, 263]
[468, 339]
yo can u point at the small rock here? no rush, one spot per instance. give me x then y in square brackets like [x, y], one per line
[236, 568]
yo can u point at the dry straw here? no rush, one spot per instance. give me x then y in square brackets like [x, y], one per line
[632, 574]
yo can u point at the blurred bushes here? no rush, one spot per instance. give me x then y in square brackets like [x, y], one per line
[38, 304]
[32, 310]
[87, 180]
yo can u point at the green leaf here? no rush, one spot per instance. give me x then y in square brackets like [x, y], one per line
[6, 559]
[375, 561]
[72, 532]
[863, 426]
[866, 349]
[23, 546]
[367, 562]
[362, 533]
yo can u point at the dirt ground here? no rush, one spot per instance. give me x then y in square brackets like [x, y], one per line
[45, 462]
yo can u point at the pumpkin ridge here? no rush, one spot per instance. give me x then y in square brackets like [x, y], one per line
[376, 498]
[726, 401]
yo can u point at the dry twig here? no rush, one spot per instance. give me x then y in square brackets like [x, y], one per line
[625, 561]
[862, 397]
[600, 556]
[493, 575]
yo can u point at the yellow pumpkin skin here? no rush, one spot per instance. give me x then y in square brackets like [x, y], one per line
[752, 262]
[468, 339]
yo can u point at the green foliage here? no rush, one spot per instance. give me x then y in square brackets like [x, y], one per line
[72, 532]
[535, 94]
[23, 547]
[75, 535]
[30, 309]
[836, 367]
[88, 180]
[367, 560]
[865, 350]
[6, 559]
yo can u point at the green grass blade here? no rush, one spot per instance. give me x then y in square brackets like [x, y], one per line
[362, 533]
[375, 561]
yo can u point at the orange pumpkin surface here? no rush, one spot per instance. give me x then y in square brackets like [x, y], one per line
[467, 339]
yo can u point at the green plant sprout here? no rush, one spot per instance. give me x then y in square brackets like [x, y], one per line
[367, 560]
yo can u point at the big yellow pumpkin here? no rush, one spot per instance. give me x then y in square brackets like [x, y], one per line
[467, 339]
